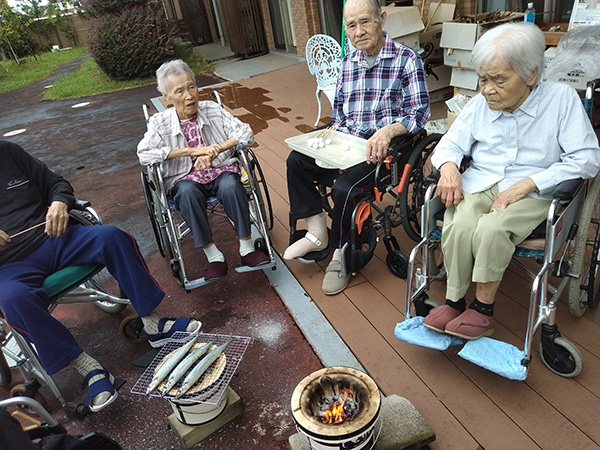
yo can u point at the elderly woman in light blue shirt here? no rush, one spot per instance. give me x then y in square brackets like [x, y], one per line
[524, 138]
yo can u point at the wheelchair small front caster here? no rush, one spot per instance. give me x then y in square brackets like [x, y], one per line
[77, 410]
[562, 357]
[397, 262]
[132, 329]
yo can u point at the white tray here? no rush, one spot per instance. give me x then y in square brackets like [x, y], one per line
[331, 156]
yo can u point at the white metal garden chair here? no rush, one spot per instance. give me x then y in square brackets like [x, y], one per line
[323, 55]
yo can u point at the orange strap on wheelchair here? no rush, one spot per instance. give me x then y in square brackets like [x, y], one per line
[362, 214]
[404, 177]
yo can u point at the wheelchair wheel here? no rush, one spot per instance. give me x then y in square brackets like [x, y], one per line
[412, 197]
[261, 210]
[5, 373]
[584, 291]
[397, 262]
[159, 234]
[567, 361]
[132, 329]
[102, 281]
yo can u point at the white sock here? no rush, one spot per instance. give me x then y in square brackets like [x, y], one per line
[317, 226]
[151, 324]
[84, 364]
[246, 246]
[213, 254]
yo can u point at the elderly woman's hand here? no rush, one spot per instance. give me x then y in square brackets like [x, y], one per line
[449, 186]
[514, 193]
[205, 155]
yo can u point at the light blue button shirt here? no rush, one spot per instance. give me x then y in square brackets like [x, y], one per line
[549, 139]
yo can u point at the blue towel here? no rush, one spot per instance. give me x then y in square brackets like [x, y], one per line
[496, 356]
[414, 332]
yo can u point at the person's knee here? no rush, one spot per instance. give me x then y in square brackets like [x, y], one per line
[231, 188]
[293, 161]
[15, 297]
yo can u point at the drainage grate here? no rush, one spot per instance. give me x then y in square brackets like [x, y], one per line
[210, 388]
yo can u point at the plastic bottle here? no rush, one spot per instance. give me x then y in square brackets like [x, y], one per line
[529, 13]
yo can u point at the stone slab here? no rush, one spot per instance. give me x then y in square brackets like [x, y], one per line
[403, 428]
[191, 435]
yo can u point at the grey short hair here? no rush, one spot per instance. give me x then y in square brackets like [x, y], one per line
[175, 67]
[519, 44]
[374, 4]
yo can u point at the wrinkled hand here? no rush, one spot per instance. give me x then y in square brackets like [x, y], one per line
[205, 156]
[4, 238]
[514, 193]
[449, 186]
[377, 146]
[57, 219]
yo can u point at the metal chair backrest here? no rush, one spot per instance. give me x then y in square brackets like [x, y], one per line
[323, 55]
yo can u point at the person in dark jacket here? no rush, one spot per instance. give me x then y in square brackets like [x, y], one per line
[36, 241]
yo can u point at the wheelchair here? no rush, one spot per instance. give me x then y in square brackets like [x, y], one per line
[395, 200]
[567, 246]
[21, 429]
[170, 232]
[75, 284]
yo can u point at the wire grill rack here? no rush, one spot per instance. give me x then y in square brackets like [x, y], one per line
[213, 393]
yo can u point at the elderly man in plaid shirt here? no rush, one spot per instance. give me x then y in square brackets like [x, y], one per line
[381, 93]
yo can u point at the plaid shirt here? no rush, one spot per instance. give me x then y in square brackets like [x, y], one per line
[393, 90]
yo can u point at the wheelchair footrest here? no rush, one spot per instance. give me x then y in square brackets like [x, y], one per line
[242, 269]
[414, 332]
[496, 356]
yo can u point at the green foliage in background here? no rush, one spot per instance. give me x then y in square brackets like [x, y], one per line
[34, 69]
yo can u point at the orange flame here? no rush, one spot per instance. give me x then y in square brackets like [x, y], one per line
[336, 413]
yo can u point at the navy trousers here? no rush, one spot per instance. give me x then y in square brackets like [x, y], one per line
[190, 198]
[25, 303]
[347, 190]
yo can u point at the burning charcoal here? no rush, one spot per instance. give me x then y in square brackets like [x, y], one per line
[351, 408]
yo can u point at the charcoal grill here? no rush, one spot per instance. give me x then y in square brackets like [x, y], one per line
[207, 390]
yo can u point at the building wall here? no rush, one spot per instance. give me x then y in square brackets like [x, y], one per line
[306, 22]
[79, 26]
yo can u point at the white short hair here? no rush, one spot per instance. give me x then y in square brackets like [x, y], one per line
[175, 67]
[519, 44]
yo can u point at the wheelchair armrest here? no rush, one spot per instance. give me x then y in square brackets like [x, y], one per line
[403, 142]
[566, 190]
[81, 205]
[432, 178]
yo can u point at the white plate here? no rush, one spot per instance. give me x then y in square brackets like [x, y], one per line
[332, 156]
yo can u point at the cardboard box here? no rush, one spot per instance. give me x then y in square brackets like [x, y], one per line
[430, 37]
[441, 94]
[410, 40]
[444, 74]
[468, 92]
[402, 21]
[463, 36]
[464, 78]
[459, 58]
[451, 118]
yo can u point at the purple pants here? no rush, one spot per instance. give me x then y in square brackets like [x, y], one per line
[25, 303]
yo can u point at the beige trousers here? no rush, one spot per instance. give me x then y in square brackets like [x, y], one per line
[478, 243]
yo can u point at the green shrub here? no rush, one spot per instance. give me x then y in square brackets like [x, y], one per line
[97, 8]
[132, 44]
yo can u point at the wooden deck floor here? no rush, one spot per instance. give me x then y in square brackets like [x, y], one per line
[467, 406]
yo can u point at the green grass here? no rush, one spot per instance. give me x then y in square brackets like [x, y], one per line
[34, 69]
[91, 80]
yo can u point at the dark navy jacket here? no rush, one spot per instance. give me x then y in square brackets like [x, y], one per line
[27, 188]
